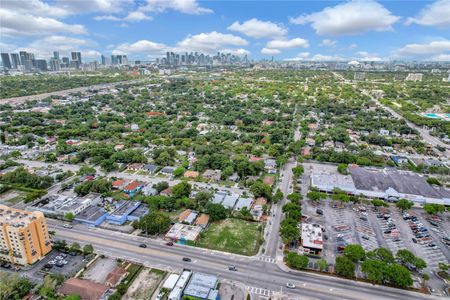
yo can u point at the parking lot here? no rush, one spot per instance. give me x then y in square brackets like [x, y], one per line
[340, 228]
[424, 239]
[364, 229]
[53, 263]
[377, 227]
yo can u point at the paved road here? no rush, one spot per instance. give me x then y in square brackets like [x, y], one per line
[251, 271]
[19, 100]
[273, 238]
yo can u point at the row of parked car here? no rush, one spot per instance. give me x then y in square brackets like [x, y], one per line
[421, 234]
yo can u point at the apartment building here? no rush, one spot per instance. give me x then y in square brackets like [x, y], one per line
[24, 237]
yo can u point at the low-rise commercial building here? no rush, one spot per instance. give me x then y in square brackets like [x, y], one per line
[123, 210]
[182, 233]
[177, 291]
[92, 216]
[202, 286]
[311, 238]
[60, 205]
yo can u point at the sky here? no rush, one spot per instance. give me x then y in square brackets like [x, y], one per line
[363, 30]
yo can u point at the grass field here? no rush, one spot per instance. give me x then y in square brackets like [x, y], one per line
[232, 235]
[12, 197]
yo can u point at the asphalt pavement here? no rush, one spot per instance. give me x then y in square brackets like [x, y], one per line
[251, 271]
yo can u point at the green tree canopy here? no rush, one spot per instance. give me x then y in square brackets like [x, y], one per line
[355, 252]
[344, 267]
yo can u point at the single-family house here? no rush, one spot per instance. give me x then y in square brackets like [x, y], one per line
[243, 202]
[187, 217]
[168, 171]
[148, 190]
[166, 192]
[133, 187]
[213, 175]
[202, 221]
[190, 174]
[270, 165]
[86, 289]
[230, 201]
[135, 167]
[269, 180]
[115, 277]
[150, 168]
[119, 184]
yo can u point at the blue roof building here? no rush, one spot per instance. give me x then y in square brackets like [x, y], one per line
[120, 215]
[92, 216]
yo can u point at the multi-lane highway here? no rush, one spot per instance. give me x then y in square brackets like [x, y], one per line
[251, 271]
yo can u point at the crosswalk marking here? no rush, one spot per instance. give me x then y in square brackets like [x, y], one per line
[259, 291]
[266, 259]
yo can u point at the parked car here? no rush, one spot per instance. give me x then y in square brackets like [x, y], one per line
[169, 243]
[365, 237]
[414, 240]
[319, 211]
[6, 265]
[434, 223]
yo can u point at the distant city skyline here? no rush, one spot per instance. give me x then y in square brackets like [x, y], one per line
[363, 30]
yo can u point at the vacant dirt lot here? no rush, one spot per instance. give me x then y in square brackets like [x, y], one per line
[144, 285]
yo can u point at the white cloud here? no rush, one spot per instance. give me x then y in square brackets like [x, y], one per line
[320, 57]
[14, 23]
[107, 18]
[36, 7]
[44, 47]
[183, 6]
[90, 54]
[432, 48]
[435, 14]
[137, 16]
[238, 52]
[268, 51]
[141, 47]
[328, 43]
[258, 29]
[82, 6]
[352, 17]
[285, 44]
[353, 46]
[441, 57]
[366, 56]
[305, 56]
[6, 47]
[301, 56]
[210, 42]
